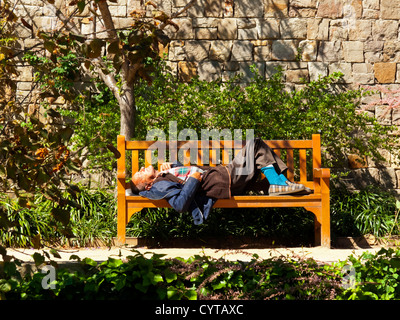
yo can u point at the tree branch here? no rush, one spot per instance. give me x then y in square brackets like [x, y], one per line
[176, 14]
[107, 18]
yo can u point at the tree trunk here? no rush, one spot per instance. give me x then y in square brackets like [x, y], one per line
[128, 111]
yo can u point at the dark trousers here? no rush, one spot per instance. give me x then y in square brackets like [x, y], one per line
[245, 167]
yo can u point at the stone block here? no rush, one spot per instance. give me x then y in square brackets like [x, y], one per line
[361, 30]
[396, 116]
[276, 8]
[249, 8]
[295, 12]
[363, 73]
[370, 4]
[197, 10]
[304, 3]
[353, 51]
[344, 68]
[338, 30]
[246, 23]
[285, 50]
[352, 9]
[370, 14]
[242, 51]
[205, 33]
[293, 28]
[329, 51]
[297, 76]
[213, 8]
[383, 114]
[308, 50]
[245, 70]
[220, 50]
[356, 162]
[361, 178]
[197, 50]
[391, 51]
[209, 70]
[227, 29]
[185, 29]
[318, 29]
[390, 9]
[247, 34]
[330, 9]
[317, 69]
[187, 70]
[271, 68]
[262, 53]
[385, 72]
[205, 22]
[385, 30]
[176, 53]
[117, 11]
[268, 29]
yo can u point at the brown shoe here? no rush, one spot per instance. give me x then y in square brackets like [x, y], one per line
[290, 188]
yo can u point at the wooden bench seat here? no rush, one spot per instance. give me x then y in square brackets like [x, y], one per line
[295, 151]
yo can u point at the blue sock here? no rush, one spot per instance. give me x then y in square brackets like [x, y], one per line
[273, 177]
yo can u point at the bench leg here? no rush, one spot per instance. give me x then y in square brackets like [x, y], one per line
[123, 218]
[321, 225]
[121, 224]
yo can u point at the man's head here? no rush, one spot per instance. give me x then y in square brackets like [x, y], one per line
[143, 179]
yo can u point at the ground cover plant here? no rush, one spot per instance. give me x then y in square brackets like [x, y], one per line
[91, 221]
[144, 276]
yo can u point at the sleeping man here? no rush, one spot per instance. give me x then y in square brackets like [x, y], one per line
[196, 188]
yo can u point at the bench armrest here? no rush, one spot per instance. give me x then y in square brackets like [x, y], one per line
[321, 180]
[322, 173]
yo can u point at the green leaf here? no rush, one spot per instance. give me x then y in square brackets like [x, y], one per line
[114, 263]
[157, 278]
[96, 46]
[89, 262]
[81, 5]
[170, 276]
[5, 286]
[66, 134]
[74, 257]
[38, 258]
[141, 287]
[220, 285]
[395, 263]
[61, 215]
[113, 47]
[55, 253]
[172, 293]
[191, 295]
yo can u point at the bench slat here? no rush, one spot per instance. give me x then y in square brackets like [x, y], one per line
[273, 144]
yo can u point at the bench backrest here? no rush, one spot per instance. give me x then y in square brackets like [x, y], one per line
[300, 155]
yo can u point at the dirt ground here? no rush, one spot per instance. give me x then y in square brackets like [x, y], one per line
[320, 254]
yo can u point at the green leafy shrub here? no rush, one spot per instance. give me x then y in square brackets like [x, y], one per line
[266, 105]
[91, 219]
[368, 211]
[372, 276]
[162, 224]
[375, 276]
[199, 277]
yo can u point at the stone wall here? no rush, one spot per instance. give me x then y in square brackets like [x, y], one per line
[308, 38]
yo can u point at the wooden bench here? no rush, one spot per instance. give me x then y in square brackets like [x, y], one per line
[303, 166]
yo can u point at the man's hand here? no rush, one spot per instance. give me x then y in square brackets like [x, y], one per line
[196, 175]
[165, 166]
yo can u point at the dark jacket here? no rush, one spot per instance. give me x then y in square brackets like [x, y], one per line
[182, 197]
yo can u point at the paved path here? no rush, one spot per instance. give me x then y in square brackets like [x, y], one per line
[101, 254]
